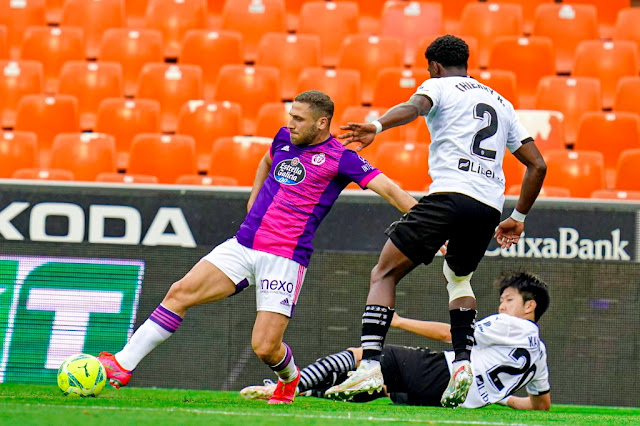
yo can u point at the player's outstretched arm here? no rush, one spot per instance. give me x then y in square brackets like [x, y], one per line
[261, 176]
[532, 402]
[391, 192]
[430, 329]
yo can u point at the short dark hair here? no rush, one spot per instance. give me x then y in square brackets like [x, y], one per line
[449, 51]
[530, 287]
[320, 103]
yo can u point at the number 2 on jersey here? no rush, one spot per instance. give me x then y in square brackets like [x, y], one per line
[486, 132]
[527, 371]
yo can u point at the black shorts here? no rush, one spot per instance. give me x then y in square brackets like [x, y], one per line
[414, 376]
[465, 222]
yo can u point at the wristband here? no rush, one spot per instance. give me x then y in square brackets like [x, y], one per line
[517, 216]
[378, 126]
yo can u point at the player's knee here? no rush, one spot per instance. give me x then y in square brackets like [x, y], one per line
[380, 275]
[265, 350]
[457, 285]
[179, 294]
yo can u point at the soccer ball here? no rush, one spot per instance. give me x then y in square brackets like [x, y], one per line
[81, 375]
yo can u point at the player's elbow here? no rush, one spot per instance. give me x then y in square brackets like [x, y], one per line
[541, 403]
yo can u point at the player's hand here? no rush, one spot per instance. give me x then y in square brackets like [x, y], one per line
[364, 133]
[508, 232]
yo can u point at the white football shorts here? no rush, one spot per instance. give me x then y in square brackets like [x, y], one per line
[278, 280]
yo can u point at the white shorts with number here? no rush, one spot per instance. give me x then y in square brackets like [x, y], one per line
[278, 280]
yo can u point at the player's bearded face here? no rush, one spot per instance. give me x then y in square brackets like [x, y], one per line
[302, 124]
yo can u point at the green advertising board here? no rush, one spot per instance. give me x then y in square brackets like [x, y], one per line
[51, 308]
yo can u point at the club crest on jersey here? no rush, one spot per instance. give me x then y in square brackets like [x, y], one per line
[318, 159]
[290, 172]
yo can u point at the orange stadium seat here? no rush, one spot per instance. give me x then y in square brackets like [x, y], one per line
[210, 50]
[628, 95]
[396, 85]
[253, 19]
[607, 61]
[4, 43]
[17, 150]
[207, 121]
[513, 170]
[54, 10]
[52, 47]
[452, 11]
[171, 85]
[502, 81]
[627, 27]
[289, 53]
[163, 156]
[411, 22]
[250, 87]
[132, 49]
[18, 78]
[125, 178]
[293, 13]
[84, 154]
[418, 132]
[90, 83]
[572, 96]
[47, 116]
[94, 17]
[18, 15]
[529, 8]
[370, 12]
[420, 61]
[332, 22]
[173, 18]
[566, 25]
[615, 194]
[545, 191]
[343, 86]
[369, 54]
[206, 180]
[135, 12]
[43, 174]
[607, 13]
[529, 58]
[546, 127]
[488, 21]
[238, 157]
[628, 171]
[125, 118]
[407, 164]
[271, 117]
[582, 172]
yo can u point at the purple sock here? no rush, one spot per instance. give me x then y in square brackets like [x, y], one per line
[286, 369]
[166, 319]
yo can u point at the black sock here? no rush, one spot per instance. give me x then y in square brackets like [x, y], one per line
[324, 373]
[463, 323]
[376, 321]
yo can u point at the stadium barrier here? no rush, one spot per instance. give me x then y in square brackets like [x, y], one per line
[81, 266]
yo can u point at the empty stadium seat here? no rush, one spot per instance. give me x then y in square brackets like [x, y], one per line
[343, 86]
[125, 118]
[173, 18]
[572, 96]
[513, 170]
[627, 27]
[271, 117]
[132, 49]
[206, 122]
[238, 157]
[616, 194]
[125, 178]
[94, 17]
[171, 85]
[43, 174]
[628, 170]
[488, 21]
[545, 191]
[90, 83]
[607, 13]
[628, 95]
[607, 61]
[17, 150]
[289, 53]
[18, 78]
[253, 19]
[410, 22]
[163, 156]
[452, 11]
[135, 11]
[4, 43]
[502, 81]
[210, 50]
[84, 154]
[369, 54]
[206, 180]
[250, 87]
[332, 22]
[546, 127]
[581, 172]
[293, 13]
[420, 61]
[52, 47]
[566, 25]
[396, 85]
[18, 15]
[370, 12]
[529, 58]
[407, 164]
[529, 8]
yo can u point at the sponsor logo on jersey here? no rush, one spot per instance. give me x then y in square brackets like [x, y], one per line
[318, 159]
[276, 285]
[285, 302]
[285, 148]
[470, 166]
[290, 172]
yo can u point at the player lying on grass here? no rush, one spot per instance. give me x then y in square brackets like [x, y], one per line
[508, 355]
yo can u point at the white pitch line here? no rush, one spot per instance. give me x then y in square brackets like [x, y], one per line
[349, 415]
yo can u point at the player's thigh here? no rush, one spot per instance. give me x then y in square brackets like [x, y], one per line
[204, 283]
[278, 283]
[232, 265]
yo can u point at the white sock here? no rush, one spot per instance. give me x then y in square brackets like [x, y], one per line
[146, 338]
[286, 369]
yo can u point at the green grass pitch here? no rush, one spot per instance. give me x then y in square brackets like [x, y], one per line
[35, 404]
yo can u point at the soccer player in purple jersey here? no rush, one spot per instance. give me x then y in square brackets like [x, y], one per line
[296, 184]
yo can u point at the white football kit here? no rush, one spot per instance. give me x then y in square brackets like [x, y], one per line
[471, 125]
[508, 355]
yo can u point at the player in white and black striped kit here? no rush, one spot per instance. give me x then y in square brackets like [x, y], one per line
[471, 125]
